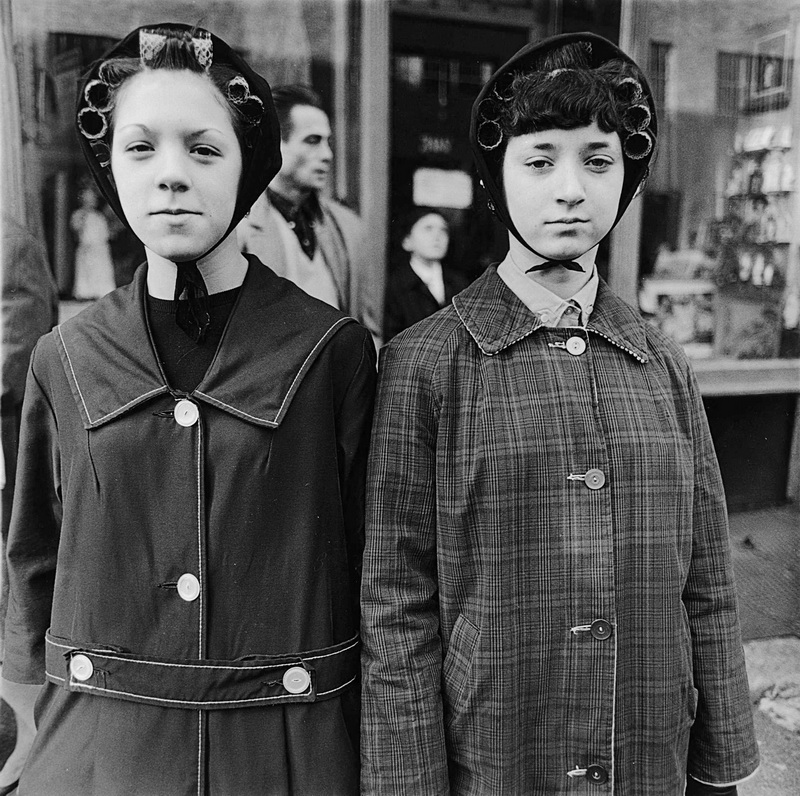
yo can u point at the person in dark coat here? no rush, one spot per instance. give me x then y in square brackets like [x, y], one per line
[548, 597]
[190, 593]
[422, 281]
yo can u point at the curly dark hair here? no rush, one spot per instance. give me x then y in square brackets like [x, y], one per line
[562, 90]
[177, 54]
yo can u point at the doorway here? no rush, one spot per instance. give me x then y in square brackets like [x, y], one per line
[438, 68]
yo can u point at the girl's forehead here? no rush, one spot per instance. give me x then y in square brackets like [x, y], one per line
[585, 136]
[168, 95]
[430, 220]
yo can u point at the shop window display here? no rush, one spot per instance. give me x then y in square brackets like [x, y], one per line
[724, 272]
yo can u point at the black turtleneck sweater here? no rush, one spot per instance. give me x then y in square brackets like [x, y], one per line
[184, 361]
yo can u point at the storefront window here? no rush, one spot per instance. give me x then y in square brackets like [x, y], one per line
[719, 268]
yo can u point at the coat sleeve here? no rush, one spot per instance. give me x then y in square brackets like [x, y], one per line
[365, 263]
[722, 748]
[33, 535]
[353, 422]
[402, 735]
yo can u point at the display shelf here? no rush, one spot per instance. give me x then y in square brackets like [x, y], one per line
[747, 376]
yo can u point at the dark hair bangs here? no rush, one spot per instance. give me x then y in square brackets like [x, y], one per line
[564, 100]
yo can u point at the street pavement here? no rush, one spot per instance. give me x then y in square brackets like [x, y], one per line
[773, 668]
[766, 558]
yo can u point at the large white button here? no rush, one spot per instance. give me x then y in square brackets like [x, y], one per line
[186, 413]
[576, 346]
[296, 680]
[81, 668]
[188, 587]
[595, 478]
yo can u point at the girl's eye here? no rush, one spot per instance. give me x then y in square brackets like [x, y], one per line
[139, 147]
[599, 164]
[539, 163]
[205, 151]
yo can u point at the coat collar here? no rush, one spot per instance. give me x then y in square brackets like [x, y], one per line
[497, 319]
[111, 366]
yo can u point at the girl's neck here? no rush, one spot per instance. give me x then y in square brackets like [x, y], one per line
[558, 280]
[423, 262]
[223, 269]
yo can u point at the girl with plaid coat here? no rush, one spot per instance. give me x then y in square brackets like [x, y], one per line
[548, 597]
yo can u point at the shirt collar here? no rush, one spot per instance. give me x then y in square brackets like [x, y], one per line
[112, 368]
[309, 208]
[543, 302]
[496, 318]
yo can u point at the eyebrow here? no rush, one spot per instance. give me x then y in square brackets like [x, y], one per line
[592, 146]
[145, 129]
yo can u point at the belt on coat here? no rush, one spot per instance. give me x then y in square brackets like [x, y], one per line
[251, 681]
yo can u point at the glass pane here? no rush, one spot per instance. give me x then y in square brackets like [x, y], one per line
[719, 266]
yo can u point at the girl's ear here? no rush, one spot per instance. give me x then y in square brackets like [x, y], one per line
[406, 244]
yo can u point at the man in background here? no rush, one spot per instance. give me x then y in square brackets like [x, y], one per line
[302, 235]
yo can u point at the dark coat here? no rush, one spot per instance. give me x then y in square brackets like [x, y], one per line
[194, 557]
[548, 597]
[408, 300]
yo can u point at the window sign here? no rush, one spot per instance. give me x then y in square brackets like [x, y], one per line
[442, 188]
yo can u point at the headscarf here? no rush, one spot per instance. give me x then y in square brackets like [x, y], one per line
[261, 155]
[633, 96]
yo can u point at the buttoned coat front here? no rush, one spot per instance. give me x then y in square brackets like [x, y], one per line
[548, 601]
[196, 550]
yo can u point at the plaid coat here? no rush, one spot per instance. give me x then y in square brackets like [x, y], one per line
[548, 600]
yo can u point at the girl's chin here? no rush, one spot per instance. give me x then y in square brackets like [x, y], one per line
[174, 255]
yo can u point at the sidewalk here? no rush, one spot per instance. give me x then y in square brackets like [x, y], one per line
[773, 667]
[766, 558]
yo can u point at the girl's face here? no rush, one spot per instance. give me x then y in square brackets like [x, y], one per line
[428, 238]
[176, 162]
[563, 188]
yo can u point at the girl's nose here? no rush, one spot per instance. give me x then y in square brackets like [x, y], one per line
[571, 190]
[172, 174]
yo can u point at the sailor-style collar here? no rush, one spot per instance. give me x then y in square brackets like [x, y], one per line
[496, 318]
[112, 368]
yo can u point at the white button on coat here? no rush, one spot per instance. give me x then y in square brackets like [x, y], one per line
[186, 413]
[81, 668]
[188, 587]
[595, 478]
[576, 346]
[296, 680]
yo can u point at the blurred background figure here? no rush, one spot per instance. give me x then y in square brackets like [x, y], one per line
[28, 311]
[293, 228]
[94, 267]
[421, 280]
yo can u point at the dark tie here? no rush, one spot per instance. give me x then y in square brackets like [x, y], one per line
[570, 265]
[192, 315]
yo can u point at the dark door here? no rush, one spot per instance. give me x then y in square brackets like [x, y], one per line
[438, 68]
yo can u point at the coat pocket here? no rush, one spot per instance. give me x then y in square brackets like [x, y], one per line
[457, 668]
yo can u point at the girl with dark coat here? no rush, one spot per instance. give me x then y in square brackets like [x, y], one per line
[188, 525]
[548, 597]
[421, 281]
